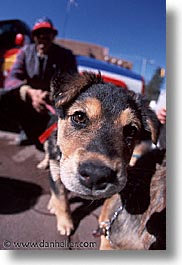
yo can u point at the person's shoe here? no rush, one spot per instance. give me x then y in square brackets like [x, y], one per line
[22, 139]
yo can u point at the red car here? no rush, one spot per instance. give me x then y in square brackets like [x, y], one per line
[13, 35]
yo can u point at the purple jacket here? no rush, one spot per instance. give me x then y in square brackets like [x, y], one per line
[26, 67]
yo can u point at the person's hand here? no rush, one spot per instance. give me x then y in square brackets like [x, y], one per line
[39, 99]
[161, 115]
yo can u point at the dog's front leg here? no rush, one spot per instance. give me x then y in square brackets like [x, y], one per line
[58, 203]
[104, 244]
[104, 216]
[44, 164]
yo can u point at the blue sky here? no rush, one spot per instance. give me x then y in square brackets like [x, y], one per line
[131, 29]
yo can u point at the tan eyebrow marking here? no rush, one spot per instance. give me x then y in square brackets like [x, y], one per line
[91, 106]
[128, 116]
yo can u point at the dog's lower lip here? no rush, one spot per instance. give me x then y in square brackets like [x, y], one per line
[90, 197]
[97, 194]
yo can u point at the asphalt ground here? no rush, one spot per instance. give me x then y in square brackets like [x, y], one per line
[25, 222]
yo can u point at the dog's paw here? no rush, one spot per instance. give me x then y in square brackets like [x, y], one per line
[64, 221]
[44, 164]
[64, 224]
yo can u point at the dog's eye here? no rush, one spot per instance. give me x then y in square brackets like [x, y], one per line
[79, 118]
[130, 132]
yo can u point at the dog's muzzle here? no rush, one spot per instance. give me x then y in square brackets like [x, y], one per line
[96, 176]
[93, 178]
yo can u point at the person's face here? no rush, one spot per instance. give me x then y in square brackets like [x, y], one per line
[43, 39]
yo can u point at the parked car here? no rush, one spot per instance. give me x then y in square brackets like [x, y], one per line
[15, 33]
[112, 73]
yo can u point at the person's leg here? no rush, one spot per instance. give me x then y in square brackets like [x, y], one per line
[33, 123]
[7, 120]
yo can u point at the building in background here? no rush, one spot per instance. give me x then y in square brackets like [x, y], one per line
[94, 51]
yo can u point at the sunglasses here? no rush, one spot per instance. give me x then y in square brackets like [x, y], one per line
[39, 32]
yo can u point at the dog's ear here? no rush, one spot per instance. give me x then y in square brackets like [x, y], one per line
[150, 122]
[65, 88]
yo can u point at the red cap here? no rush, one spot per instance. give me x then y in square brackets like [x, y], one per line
[44, 23]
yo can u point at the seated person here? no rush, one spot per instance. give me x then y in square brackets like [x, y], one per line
[28, 83]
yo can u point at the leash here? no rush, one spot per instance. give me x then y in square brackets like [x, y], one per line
[45, 135]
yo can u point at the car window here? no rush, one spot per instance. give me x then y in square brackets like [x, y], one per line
[7, 35]
[8, 31]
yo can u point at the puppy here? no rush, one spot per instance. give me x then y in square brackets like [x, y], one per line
[99, 125]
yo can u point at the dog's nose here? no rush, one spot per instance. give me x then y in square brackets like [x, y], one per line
[95, 175]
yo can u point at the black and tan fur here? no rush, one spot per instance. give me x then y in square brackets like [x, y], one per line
[142, 223]
[98, 127]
